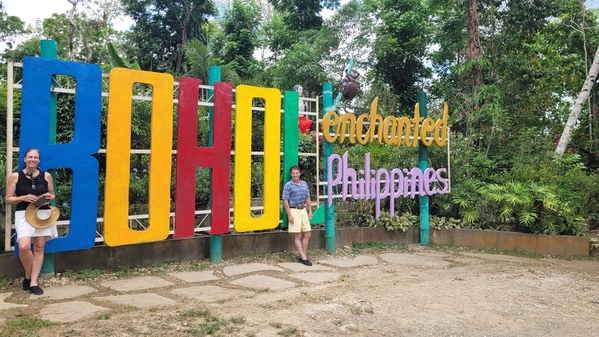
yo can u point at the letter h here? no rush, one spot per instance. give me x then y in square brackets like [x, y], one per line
[190, 157]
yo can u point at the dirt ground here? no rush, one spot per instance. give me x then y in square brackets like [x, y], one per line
[427, 291]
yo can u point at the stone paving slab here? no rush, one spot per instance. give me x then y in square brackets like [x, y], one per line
[263, 282]
[317, 277]
[5, 305]
[64, 292]
[249, 268]
[298, 267]
[210, 293]
[137, 283]
[70, 311]
[195, 276]
[361, 260]
[412, 259]
[142, 301]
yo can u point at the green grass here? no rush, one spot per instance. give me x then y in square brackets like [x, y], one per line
[159, 268]
[4, 283]
[451, 249]
[122, 271]
[513, 252]
[89, 274]
[23, 326]
[289, 331]
[195, 313]
[265, 258]
[376, 246]
[211, 325]
[199, 265]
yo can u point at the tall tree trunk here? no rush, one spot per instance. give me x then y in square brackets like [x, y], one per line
[184, 27]
[577, 108]
[72, 30]
[474, 50]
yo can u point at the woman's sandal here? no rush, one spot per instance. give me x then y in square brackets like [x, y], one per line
[36, 290]
[26, 284]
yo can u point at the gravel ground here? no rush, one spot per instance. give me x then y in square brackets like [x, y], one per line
[422, 291]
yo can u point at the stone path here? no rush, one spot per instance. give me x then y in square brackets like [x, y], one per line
[137, 292]
[382, 293]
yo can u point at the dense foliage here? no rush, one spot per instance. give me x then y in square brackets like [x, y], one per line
[509, 100]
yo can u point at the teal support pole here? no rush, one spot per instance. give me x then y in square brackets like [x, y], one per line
[216, 248]
[213, 77]
[423, 165]
[49, 50]
[329, 210]
[216, 241]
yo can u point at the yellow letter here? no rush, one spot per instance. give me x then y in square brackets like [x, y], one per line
[404, 126]
[375, 119]
[428, 124]
[243, 220]
[416, 124]
[329, 121]
[343, 121]
[116, 195]
[389, 124]
[441, 128]
[362, 138]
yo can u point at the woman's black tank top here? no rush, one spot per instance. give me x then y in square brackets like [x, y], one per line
[25, 186]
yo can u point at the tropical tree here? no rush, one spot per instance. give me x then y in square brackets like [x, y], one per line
[10, 27]
[300, 65]
[302, 15]
[578, 104]
[239, 37]
[163, 27]
[400, 48]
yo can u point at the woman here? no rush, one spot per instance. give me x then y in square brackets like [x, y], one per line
[22, 188]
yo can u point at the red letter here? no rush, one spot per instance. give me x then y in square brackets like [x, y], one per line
[190, 157]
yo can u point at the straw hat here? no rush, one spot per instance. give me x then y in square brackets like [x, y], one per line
[34, 220]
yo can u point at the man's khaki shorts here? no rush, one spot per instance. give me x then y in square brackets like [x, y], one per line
[301, 222]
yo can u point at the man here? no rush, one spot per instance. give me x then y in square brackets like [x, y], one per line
[296, 198]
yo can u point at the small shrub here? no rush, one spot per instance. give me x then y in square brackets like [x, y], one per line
[393, 223]
[89, 274]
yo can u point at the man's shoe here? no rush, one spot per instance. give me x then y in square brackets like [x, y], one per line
[36, 290]
[305, 262]
[26, 283]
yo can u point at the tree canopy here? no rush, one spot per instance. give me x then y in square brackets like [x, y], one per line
[511, 72]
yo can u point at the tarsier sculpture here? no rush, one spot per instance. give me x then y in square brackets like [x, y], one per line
[349, 88]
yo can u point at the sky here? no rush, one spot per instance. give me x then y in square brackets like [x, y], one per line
[31, 10]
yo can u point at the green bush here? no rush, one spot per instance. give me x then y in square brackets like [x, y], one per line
[548, 195]
[394, 223]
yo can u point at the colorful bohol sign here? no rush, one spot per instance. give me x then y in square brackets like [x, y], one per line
[78, 154]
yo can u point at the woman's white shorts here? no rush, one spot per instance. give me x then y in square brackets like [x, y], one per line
[24, 229]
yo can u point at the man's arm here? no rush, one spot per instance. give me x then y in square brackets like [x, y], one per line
[286, 204]
[309, 205]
